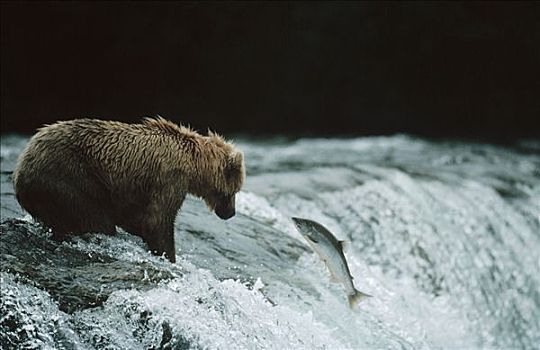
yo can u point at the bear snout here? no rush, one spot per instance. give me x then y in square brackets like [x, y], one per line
[225, 213]
[225, 207]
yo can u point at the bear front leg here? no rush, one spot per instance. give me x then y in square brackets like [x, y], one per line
[156, 230]
[161, 241]
[153, 222]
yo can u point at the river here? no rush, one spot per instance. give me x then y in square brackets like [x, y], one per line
[444, 235]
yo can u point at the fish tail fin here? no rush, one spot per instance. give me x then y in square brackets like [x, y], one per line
[358, 296]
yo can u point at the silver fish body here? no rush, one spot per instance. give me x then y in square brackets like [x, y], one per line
[330, 249]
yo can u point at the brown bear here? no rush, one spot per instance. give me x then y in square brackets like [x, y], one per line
[89, 175]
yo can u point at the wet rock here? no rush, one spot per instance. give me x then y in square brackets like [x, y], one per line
[74, 278]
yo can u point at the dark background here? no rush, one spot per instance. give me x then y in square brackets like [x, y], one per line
[435, 69]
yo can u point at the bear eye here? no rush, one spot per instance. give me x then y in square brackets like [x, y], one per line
[220, 195]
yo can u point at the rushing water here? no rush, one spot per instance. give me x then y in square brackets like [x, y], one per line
[445, 236]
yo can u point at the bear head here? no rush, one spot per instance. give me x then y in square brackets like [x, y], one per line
[228, 177]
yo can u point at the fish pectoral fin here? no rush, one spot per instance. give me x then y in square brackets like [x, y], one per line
[334, 278]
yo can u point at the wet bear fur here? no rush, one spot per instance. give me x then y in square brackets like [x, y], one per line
[89, 175]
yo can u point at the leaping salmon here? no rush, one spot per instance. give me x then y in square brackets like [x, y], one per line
[330, 249]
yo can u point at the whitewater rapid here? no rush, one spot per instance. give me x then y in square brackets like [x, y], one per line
[444, 235]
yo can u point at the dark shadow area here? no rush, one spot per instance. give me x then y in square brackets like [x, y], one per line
[453, 69]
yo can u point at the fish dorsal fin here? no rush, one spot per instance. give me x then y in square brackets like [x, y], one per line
[344, 245]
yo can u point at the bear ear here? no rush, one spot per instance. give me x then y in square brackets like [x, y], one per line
[236, 159]
[235, 165]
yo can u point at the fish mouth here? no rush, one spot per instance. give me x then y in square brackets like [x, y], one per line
[299, 222]
[296, 220]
